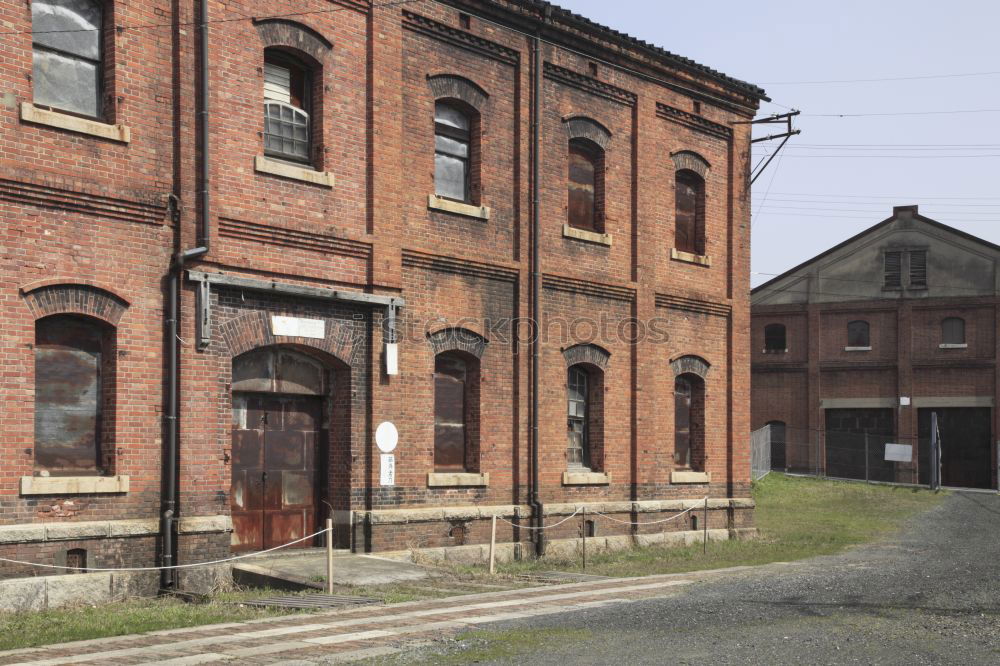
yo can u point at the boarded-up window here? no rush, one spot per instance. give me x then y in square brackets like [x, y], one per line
[858, 334]
[689, 212]
[774, 338]
[918, 268]
[689, 422]
[584, 183]
[452, 152]
[893, 269]
[286, 107]
[70, 352]
[953, 331]
[450, 397]
[67, 72]
[577, 452]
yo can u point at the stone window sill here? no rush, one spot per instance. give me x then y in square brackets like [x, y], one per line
[588, 236]
[690, 257]
[274, 167]
[435, 202]
[774, 351]
[857, 349]
[457, 480]
[683, 476]
[33, 114]
[73, 485]
[953, 345]
[585, 479]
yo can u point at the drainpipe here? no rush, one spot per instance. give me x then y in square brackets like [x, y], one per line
[169, 515]
[537, 510]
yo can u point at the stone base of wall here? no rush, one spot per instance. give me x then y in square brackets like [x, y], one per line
[43, 592]
[567, 549]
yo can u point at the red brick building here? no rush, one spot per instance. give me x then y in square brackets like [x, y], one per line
[208, 310]
[860, 345]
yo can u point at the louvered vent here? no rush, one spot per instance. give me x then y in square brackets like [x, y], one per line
[918, 268]
[893, 269]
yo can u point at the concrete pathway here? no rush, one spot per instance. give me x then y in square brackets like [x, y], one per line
[348, 634]
[348, 568]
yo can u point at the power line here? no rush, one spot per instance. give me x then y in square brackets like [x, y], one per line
[899, 157]
[881, 205]
[891, 78]
[898, 113]
[861, 210]
[886, 196]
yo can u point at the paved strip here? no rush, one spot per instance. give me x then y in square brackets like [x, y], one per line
[531, 596]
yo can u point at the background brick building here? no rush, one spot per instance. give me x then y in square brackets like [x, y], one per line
[362, 251]
[864, 341]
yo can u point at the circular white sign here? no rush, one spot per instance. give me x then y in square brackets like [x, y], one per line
[386, 437]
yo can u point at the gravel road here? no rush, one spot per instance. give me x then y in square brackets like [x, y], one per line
[930, 595]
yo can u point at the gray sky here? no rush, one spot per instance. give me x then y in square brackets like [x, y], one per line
[809, 200]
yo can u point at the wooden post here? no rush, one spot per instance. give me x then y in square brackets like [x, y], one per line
[705, 528]
[584, 538]
[866, 456]
[329, 555]
[493, 545]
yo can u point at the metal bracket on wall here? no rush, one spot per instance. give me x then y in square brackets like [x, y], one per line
[203, 321]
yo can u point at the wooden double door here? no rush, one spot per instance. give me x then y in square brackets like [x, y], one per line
[276, 469]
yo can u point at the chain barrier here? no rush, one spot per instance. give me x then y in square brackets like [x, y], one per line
[652, 522]
[174, 566]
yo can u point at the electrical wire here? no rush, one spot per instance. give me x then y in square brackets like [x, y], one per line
[891, 78]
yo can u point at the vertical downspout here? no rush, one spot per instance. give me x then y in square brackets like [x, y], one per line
[170, 463]
[536, 278]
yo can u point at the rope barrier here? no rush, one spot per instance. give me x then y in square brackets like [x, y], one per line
[651, 522]
[543, 527]
[174, 566]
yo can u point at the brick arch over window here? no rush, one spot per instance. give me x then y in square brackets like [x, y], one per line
[85, 299]
[253, 330]
[294, 35]
[449, 86]
[581, 127]
[458, 339]
[693, 365]
[691, 161]
[589, 354]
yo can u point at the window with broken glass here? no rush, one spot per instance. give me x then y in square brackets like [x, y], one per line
[584, 211]
[452, 143]
[287, 131]
[67, 71]
[451, 375]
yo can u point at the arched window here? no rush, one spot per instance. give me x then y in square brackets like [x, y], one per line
[953, 331]
[456, 413]
[577, 395]
[586, 185]
[777, 444]
[452, 151]
[73, 367]
[67, 70]
[689, 422]
[858, 334]
[689, 212]
[774, 338]
[287, 107]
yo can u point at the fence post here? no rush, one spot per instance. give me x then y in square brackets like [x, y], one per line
[493, 544]
[584, 523]
[329, 555]
[866, 456]
[704, 548]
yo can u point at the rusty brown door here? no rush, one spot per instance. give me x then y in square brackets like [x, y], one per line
[275, 484]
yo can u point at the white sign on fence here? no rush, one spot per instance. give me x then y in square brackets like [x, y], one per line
[388, 475]
[898, 452]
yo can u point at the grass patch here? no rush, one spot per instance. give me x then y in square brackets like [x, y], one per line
[22, 630]
[797, 518]
[473, 647]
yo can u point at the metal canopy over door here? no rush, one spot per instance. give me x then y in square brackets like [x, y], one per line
[276, 459]
[966, 433]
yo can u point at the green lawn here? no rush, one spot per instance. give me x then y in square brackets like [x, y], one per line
[796, 517]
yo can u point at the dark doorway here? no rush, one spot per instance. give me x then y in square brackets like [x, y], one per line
[850, 433]
[966, 434]
[777, 445]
